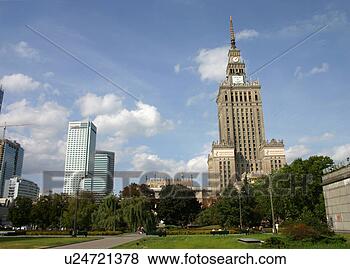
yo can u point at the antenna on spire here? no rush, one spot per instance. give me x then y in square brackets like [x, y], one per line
[232, 35]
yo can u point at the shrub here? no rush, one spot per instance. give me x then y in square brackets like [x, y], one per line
[44, 232]
[105, 232]
[337, 239]
[301, 231]
[275, 242]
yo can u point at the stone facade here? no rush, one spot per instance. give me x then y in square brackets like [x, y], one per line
[336, 190]
[272, 156]
[241, 128]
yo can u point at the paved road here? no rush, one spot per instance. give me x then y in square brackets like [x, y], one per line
[104, 243]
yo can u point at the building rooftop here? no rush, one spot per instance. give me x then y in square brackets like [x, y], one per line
[336, 173]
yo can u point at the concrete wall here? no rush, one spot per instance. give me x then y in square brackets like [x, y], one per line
[337, 201]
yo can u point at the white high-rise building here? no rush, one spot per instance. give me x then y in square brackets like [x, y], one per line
[19, 187]
[80, 156]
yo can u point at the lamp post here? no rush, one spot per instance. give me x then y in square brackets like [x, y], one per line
[76, 208]
[238, 187]
[271, 202]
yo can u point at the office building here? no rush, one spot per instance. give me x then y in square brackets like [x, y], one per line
[336, 192]
[80, 156]
[1, 96]
[11, 161]
[102, 181]
[19, 187]
[241, 127]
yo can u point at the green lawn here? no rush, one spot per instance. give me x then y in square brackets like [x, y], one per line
[216, 242]
[39, 242]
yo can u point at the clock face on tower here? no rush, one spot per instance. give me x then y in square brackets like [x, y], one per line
[237, 79]
[234, 59]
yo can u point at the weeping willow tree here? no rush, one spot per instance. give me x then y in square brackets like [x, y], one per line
[137, 212]
[108, 215]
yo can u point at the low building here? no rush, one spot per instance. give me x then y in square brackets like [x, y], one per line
[4, 211]
[19, 187]
[336, 190]
[156, 184]
[221, 167]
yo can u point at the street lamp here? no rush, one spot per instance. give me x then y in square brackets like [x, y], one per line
[239, 188]
[271, 202]
[76, 208]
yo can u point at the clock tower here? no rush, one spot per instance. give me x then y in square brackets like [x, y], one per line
[235, 66]
[241, 126]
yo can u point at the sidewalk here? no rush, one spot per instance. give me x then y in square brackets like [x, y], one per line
[104, 243]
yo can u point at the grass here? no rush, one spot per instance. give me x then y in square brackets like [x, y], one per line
[39, 242]
[218, 242]
[192, 242]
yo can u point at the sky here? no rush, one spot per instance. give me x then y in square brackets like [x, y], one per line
[170, 56]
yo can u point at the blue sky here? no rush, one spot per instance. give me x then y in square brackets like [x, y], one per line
[171, 55]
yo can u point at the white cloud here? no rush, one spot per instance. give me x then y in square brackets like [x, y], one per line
[339, 153]
[43, 143]
[144, 120]
[332, 18]
[19, 83]
[247, 34]
[177, 68]
[198, 164]
[212, 63]
[299, 74]
[312, 139]
[297, 151]
[319, 69]
[146, 161]
[91, 104]
[22, 49]
[118, 122]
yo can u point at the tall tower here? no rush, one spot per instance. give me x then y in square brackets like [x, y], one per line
[1, 96]
[102, 182]
[11, 161]
[240, 114]
[80, 156]
[241, 121]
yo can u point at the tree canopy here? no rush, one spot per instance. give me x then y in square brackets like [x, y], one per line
[177, 205]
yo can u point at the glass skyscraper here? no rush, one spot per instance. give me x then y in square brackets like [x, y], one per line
[80, 156]
[102, 182]
[11, 161]
[1, 96]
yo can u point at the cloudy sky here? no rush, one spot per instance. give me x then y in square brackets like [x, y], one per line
[170, 55]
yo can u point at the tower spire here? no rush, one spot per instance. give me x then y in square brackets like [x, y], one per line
[232, 35]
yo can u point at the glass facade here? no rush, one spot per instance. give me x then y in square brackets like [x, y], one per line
[11, 161]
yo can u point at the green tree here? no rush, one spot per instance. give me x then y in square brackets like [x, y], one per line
[296, 188]
[48, 211]
[20, 212]
[108, 215]
[41, 212]
[85, 204]
[177, 205]
[136, 190]
[137, 212]
[226, 212]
